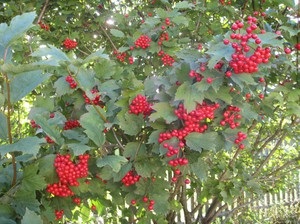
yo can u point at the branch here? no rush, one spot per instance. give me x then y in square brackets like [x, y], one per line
[183, 201]
[108, 37]
[43, 11]
[270, 155]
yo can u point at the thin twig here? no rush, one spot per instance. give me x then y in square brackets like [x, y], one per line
[43, 11]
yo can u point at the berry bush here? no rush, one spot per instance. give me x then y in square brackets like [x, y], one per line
[127, 111]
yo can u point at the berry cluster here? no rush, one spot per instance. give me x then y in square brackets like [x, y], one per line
[96, 97]
[178, 162]
[68, 174]
[140, 105]
[59, 214]
[130, 178]
[131, 60]
[239, 138]
[44, 26]
[193, 74]
[69, 44]
[33, 124]
[70, 124]
[166, 59]
[163, 37]
[223, 2]
[143, 42]
[241, 62]
[230, 115]
[145, 199]
[192, 122]
[48, 139]
[121, 56]
[76, 200]
[71, 82]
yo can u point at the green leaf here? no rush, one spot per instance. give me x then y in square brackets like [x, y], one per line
[25, 199]
[78, 148]
[51, 52]
[32, 180]
[3, 126]
[114, 161]
[28, 145]
[178, 20]
[117, 33]
[31, 217]
[46, 168]
[270, 39]
[51, 130]
[86, 79]
[93, 124]
[131, 149]
[248, 113]
[198, 141]
[6, 220]
[200, 169]
[163, 110]
[184, 5]
[62, 87]
[243, 80]
[131, 123]
[190, 95]
[22, 84]
[18, 26]
[217, 52]
[96, 55]
[6, 211]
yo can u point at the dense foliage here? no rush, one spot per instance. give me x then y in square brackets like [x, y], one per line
[122, 111]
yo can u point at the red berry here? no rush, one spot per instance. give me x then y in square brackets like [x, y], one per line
[226, 42]
[209, 80]
[287, 50]
[133, 202]
[297, 46]
[145, 199]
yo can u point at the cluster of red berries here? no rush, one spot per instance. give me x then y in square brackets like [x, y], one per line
[131, 60]
[241, 62]
[121, 56]
[230, 115]
[96, 97]
[239, 139]
[192, 122]
[48, 139]
[195, 75]
[59, 214]
[71, 82]
[68, 174]
[143, 42]
[33, 124]
[145, 199]
[70, 44]
[163, 37]
[44, 26]
[140, 105]
[76, 200]
[130, 178]
[166, 59]
[71, 124]
[224, 2]
[219, 65]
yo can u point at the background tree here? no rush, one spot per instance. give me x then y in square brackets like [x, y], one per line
[137, 106]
